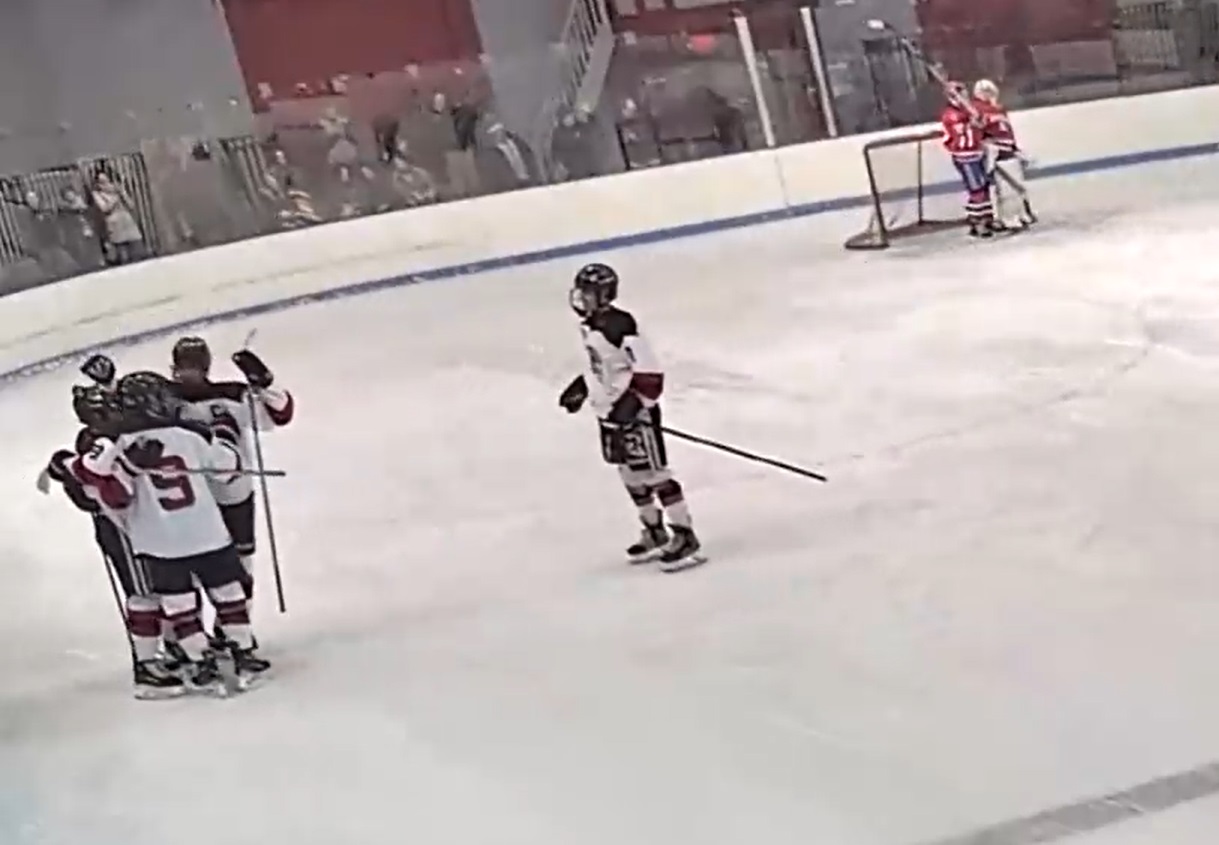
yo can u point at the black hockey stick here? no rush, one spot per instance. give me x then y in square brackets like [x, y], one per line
[262, 480]
[112, 577]
[936, 72]
[741, 453]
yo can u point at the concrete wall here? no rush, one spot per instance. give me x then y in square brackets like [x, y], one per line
[90, 77]
[1167, 151]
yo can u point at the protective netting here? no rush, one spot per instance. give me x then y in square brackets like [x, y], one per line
[914, 189]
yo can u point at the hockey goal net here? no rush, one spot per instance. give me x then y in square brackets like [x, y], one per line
[914, 190]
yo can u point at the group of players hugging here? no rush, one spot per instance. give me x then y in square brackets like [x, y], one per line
[162, 465]
[979, 137]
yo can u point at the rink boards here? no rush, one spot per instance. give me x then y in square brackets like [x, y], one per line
[1099, 156]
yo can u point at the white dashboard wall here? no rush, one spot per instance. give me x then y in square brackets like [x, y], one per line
[1099, 156]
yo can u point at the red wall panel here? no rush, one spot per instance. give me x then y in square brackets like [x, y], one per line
[287, 42]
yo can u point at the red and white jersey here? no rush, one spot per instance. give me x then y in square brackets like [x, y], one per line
[962, 134]
[996, 126]
[166, 513]
[619, 359]
[225, 403]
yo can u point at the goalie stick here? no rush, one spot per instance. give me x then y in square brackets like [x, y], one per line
[936, 72]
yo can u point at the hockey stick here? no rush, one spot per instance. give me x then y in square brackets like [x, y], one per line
[112, 577]
[262, 478]
[43, 482]
[741, 453]
[266, 502]
[936, 72]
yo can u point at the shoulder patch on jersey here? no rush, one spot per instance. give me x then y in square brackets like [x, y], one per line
[210, 391]
[614, 324]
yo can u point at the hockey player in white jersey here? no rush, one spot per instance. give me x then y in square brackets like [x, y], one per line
[160, 474]
[228, 404]
[97, 411]
[623, 385]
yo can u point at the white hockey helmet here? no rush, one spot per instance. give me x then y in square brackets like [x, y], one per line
[985, 89]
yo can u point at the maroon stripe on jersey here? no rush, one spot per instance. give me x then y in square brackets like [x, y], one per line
[283, 416]
[113, 493]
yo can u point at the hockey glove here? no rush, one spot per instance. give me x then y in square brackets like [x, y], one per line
[145, 454]
[573, 396]
[255, 371]
[57, 469]
[626, 410]
[99, 368]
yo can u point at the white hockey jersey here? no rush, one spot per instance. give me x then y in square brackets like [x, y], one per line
[228, 403]
[167, 513]
[619, 359]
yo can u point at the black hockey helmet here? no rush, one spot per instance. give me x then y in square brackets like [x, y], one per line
[145, 399]
[191, 355]
[596, 286]
[96, 408]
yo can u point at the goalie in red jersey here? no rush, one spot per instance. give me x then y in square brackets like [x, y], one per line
[1007, 162]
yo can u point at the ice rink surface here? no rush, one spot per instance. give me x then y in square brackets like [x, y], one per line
[1005, 601]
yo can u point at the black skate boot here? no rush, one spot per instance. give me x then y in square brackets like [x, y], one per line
[152, 682]
[217, 641]
[205, 677]
[173, 658]
[249, 667]
[650, 544]
[682, 551]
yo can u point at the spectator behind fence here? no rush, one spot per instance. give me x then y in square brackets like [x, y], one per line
[463, 168]
[505, 161]
[122, 237]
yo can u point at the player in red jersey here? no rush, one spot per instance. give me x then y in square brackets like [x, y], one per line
[1006, 161]
[964, 141]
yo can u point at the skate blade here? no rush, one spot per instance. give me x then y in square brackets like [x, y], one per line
[646, 557]
[158, 693]
[246, 681]
[682, 565]
[216, 689]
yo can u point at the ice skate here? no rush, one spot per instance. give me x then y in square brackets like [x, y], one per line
[205, 677]
[248, 667]
[153, 681]
[683, 551]
[650, 546]
[173, 658]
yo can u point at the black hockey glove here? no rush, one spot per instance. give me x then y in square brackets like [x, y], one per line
[573, 396]
[58, 466]
[626, 410]
[254, 370]
[145, 454]
[99, 368]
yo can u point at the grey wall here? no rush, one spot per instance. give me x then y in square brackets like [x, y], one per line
[89, 77]
[520, 39]
[841, 24]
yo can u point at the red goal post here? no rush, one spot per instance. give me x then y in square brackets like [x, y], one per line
[914, 189]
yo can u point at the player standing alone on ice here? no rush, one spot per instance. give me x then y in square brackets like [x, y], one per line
[624, 390]
[964, 141]
[1007, 162]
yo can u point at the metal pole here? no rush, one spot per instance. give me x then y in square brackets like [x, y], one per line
[755, 81]
[817, 59]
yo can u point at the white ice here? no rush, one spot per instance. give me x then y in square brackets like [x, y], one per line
[1006, 599]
